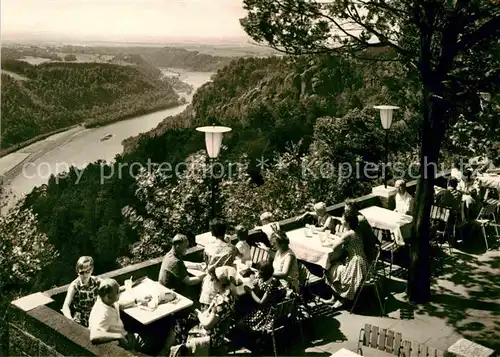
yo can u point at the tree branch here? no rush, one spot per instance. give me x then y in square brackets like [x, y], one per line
[487, 31]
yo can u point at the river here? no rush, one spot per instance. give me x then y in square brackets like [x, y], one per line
[79, 147]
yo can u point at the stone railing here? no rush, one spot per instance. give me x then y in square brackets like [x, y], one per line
[37, 327]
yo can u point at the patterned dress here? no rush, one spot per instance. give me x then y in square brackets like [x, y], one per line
[346, 279]
[261, 318]
[224, 304]
[217, 254]
[84, 299]
[292, 279]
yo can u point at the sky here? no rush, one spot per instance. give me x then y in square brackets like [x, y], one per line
[122, 20]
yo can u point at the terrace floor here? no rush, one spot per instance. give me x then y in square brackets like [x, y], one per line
[464, 303]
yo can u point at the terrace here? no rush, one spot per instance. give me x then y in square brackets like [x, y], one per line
[464, 304]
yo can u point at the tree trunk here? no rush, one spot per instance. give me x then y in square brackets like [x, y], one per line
[432, 136]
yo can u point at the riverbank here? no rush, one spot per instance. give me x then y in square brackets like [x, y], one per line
[9, 169]
[98, 124]
[94, 124]
[81, 146]
[34, 140]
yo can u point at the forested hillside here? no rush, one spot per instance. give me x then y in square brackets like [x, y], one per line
[160, 56]
[270, 102]
[57, 95]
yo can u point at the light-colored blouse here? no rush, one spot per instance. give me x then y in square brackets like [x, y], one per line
[291, 281]
[217, 254]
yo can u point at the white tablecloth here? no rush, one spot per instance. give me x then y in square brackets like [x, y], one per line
[309, 249]
[398, 223]
[145, 316]
[344, 353]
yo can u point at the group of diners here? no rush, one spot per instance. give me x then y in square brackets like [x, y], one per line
[232, 292]
[464, 195]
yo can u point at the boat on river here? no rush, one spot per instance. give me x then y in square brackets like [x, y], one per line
[106, 137]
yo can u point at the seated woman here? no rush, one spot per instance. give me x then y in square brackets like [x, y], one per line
[82, 292]
[270, 293]
[325, 221]
[217, 254]
[285, 265]
[346, 279]
[216, 320]
[370, 240]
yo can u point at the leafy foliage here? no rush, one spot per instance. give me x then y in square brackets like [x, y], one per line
[58, 95]
[24, 251]
[83, 217]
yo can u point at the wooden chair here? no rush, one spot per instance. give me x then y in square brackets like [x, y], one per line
[415, 349]
[486, 218]
[439, 219]
[371, 279]
[379, 338]
[440, 216]
[259, 254]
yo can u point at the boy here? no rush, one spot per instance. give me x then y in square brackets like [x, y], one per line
[242, 245]
[105, 323]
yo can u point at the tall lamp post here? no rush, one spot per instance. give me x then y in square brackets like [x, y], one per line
[213, 142]
[386, 119]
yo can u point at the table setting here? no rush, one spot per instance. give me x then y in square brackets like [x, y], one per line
[163, 301]
[399, 224]
[313, 245]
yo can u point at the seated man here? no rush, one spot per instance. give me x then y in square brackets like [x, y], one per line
[404, 201]
[173, 270]
[105, 324]
[451, 197]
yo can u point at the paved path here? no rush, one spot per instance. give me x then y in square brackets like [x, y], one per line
[15, 75]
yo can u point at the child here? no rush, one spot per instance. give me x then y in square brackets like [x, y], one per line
[242, 245]
[82, 292]
[105, 323]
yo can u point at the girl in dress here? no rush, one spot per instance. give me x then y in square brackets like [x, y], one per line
[346, 279]
[325, 221]
[82, 292]
[271, 292]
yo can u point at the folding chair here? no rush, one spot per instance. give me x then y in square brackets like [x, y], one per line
[308, 280]
[372, 279]
[486, 218]
[387, 244]
[379, 338]
[283, 314]
[415, 349]
[440, 217]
